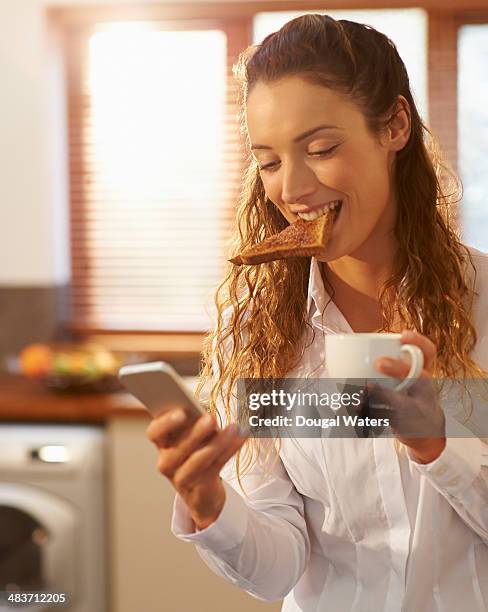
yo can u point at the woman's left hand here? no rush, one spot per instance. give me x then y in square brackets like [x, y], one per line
[415, 410]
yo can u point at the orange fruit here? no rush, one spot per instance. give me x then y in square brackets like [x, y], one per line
[35, 360]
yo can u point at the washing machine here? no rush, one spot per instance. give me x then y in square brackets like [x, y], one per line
[53, 524]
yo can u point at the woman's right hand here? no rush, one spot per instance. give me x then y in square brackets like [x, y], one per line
[191, 454]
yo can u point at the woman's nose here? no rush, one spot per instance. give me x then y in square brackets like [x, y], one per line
[299, 184]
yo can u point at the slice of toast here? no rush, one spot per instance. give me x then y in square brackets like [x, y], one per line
[299, 239]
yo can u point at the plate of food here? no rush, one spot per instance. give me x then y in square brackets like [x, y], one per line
[75, 368]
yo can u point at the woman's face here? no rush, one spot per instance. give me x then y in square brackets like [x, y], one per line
[304, 165]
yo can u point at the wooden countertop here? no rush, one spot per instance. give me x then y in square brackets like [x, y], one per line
[25, 400]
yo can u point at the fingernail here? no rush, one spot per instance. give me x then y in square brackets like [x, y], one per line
[408, 335]
[178, 417]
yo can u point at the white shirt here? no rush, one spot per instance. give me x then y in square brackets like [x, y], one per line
[348, 524]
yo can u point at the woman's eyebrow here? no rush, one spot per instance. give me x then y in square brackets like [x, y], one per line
[302, 136]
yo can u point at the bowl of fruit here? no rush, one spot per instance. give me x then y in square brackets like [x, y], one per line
[75, 368]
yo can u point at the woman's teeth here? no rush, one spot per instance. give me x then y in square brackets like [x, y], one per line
[311, 216]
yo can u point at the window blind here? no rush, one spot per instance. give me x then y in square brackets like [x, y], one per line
[155, 161]
[473, 130]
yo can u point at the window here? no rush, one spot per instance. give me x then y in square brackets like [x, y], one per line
[473, 132]
[155, 164]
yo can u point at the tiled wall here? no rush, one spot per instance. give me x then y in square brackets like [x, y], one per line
[30, 314]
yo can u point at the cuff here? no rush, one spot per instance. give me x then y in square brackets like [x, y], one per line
[225, 533]
[456, 468]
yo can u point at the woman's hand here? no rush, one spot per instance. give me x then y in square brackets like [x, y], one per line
[415, 410]
[191, 454]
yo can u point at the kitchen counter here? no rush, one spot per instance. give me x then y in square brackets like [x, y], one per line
[25, 400]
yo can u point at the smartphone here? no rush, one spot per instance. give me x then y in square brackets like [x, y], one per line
[159, 387]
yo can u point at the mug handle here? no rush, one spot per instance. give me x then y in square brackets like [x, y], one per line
[417, 357]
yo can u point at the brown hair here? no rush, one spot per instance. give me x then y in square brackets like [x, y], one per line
[265, 305]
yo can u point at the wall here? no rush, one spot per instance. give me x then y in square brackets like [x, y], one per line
[33, 188]
[34, 262]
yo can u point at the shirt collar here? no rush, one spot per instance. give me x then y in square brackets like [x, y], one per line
[317, 295]
[322, 311]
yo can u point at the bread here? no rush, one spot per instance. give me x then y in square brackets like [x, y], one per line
[299, 239]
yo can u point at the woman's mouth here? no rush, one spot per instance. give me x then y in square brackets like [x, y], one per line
[330, 206]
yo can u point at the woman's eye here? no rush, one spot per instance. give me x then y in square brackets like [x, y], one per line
[271, 167]
[267, 167]
[325, 152]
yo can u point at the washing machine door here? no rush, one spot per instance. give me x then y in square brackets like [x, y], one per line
[37, 541]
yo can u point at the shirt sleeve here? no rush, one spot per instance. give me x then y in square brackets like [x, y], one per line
[460, 475]
[259, 542]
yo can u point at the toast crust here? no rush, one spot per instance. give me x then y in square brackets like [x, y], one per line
[300, 239]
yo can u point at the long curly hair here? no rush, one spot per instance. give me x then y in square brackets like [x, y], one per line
[261, 309]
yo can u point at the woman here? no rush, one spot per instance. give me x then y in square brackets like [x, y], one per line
[339, 524]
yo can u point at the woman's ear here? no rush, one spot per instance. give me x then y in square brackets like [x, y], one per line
[398, 129]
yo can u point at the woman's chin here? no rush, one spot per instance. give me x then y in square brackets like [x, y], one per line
[331, 252]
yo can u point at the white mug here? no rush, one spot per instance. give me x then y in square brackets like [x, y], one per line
[353, 356]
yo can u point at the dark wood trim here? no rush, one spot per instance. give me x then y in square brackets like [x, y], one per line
[442, 91]
[79, 15]
[472, 17]
[170, 343]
